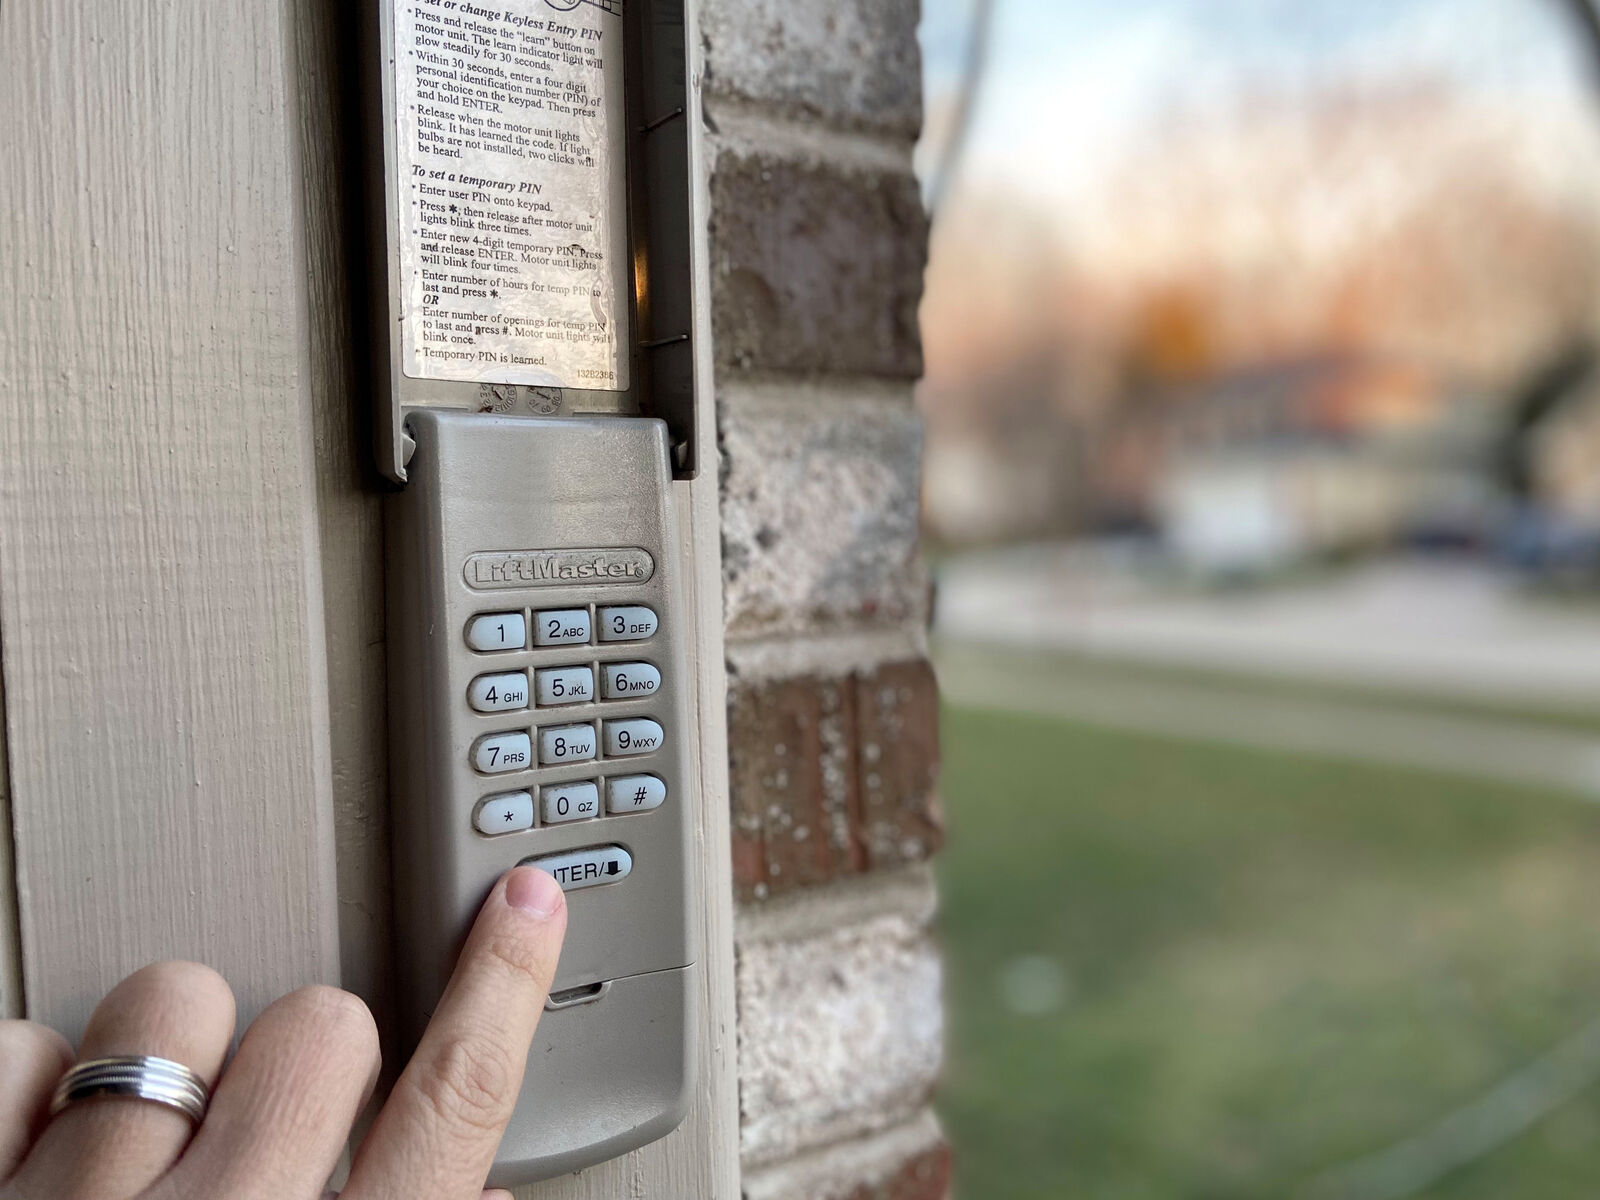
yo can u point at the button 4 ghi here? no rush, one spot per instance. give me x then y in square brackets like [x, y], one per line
[499, 693]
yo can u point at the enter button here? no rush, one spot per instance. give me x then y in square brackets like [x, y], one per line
[585, 868]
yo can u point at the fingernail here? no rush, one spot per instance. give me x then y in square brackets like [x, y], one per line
[533, 891]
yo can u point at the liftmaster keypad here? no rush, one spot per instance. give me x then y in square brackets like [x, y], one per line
[538, 691]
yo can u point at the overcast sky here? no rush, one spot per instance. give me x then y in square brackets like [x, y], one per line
[1071, 82]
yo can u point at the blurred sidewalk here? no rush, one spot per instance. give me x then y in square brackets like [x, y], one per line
[1479, 747]
[1427, 627]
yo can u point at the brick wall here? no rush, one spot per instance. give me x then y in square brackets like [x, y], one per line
[818, 240]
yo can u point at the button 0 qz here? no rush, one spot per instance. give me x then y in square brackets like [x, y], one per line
[570, 802]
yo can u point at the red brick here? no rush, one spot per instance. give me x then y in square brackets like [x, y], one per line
[897, 708]
[832, 775]
[816, 268]
[925, 1177]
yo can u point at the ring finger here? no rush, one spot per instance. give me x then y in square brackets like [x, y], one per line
[113, 1148]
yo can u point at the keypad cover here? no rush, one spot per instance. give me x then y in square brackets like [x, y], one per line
[529, 516]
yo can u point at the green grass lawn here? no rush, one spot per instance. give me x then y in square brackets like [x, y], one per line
[1187, 970]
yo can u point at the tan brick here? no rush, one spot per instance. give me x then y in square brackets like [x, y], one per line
[909, 1162]
[816, 267]
[852, 63]
[832, 775]
[840, 1033]
[820, 502]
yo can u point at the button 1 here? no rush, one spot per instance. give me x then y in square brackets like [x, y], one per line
[640, 735]
[569, 802]
[566, 743]
[499, 693]
[561, 627]
[622, 681]
[564, 685]
[497, 631]
[634, 793]
[500, 752]
[585, 868]
[627, 623]
[509, 812]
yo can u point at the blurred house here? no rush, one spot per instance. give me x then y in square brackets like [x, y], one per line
[1292, 328]
[1266, 467]
[1550, 467]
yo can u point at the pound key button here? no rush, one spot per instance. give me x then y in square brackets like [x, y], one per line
[585, 868]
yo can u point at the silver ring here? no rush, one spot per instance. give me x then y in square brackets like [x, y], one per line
[138, 1076]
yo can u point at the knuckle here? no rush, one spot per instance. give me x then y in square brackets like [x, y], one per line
[184, 1006]
[337, 1015]
[29, 1042]
[468, 1084]
[177, 972]
[176, 977]
[518, 959]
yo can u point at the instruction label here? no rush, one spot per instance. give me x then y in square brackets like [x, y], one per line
[511, 159]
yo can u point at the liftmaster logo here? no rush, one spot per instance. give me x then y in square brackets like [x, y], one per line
[547, 568]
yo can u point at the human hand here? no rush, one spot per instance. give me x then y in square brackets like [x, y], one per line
[281, 1114]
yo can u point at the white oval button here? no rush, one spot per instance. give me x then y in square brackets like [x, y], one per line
[585, 868]
[564, 685]
[499, 693]
[507, 813]
[634, 793]
[627, 623]
[566, 743]
[502, 752]
[561, 627]
[623, 680]
[639, 735]
[569, 802]
[497, 631]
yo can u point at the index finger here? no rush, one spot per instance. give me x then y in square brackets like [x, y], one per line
[436, 1136]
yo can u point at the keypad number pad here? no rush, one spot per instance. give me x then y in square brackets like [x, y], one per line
[558, 745]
